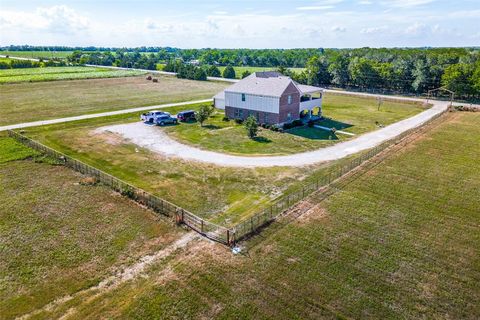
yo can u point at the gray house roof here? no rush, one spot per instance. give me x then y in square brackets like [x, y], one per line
[307, 89]
[220, 95]
[267, 83]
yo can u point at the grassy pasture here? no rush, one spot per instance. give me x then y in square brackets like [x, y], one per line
[59, 236]
[23, 102]
[61, 73]
[400, 241]
[352, 114]
[240, 70]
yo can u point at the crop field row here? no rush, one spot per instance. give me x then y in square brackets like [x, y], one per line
[47, 70]
[61, 73]
[37, 54]
[398, 241]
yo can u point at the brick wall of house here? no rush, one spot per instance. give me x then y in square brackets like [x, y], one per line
[292, 108]
[272, 118]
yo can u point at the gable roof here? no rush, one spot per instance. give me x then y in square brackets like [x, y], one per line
[267, 83]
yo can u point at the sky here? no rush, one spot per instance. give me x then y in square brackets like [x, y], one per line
[241, 23]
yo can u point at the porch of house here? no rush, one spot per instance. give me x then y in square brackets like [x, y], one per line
[311, 98]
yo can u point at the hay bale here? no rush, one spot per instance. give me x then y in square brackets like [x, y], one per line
[89, 181]
[155, 80]
[149, 78]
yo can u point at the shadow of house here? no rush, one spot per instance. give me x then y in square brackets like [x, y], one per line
[312, 133]
[211, 126]
[330, 123]
[261, 139]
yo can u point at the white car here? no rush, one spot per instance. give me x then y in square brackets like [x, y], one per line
[151, 117]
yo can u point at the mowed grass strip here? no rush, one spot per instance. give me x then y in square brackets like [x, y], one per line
[58, 236]
[240, 70]
[400, 241]
[24, 102]
[13, 150]
[349, 113]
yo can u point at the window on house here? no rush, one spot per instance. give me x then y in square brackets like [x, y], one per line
[265, 117]
[243, 96]
[236, 113]
[240, 113]
[290, 99]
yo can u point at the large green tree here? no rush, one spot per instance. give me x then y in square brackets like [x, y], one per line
[457, 77]
[229, 73]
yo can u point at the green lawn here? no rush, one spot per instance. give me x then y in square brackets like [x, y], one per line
[351, 114]
[12, 150]
[240, 70]
[398, 242]
[23, 102]
[19, 75]
[59, 236]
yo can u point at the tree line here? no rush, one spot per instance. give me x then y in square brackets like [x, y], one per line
[395, 70]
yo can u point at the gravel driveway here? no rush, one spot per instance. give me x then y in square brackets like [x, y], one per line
[156, 140]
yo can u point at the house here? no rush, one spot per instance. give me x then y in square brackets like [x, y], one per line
[269, 96]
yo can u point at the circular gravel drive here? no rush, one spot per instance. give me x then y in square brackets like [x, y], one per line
[156, 140]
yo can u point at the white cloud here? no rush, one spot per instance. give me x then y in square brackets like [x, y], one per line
[407, 3]
[310, 8]
[56, 19]
[371, 26]
[374, 30]
[338, 29]
[320, 5]
[416, 28]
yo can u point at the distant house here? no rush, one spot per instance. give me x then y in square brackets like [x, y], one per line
[269, 96]
[194, 62]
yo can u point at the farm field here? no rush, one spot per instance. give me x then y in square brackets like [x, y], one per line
[24, 102]
[37, 54]
[61, 73]
[240, 70]
[399, 241]
[59, 236]
[356, 115]
[222, 195]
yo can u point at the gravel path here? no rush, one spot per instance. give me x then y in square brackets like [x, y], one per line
[156, 140]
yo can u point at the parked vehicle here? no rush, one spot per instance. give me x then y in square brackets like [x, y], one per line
[165, 119]
[152, 116]
[184, 116]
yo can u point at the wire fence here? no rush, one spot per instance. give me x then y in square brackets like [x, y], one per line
[244, 228]
[206, 228]
[254, 223]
